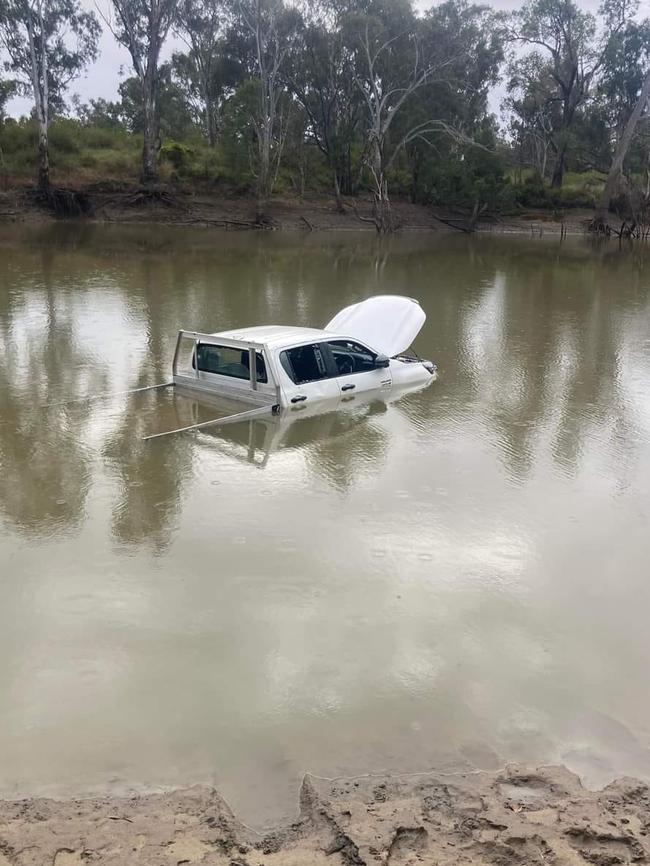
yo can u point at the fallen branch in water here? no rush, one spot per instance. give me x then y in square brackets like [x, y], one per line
[470, 226]
[452, 225]
[221, 223]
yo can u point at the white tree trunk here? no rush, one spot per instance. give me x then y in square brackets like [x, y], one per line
[616, 168]
[41, 92]
[150, 144]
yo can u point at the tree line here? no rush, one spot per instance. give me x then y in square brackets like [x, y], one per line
[367, 94]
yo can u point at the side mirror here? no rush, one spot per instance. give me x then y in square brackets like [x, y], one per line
[382, 361]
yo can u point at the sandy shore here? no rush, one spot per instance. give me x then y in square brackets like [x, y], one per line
[515, 816]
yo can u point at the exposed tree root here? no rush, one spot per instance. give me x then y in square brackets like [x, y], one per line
[627, 231]
[147, 196]
[264, 221]
[63, 203]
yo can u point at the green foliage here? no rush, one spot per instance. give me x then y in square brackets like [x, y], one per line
[175, 117]
[76, 152]
[66, 33]
[578, 191]
[463, 179]
[237, 142]
[213, 64]
[64, 138]
[571, 87]
[7, 90]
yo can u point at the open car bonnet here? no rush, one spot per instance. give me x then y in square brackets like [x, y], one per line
[388, 323]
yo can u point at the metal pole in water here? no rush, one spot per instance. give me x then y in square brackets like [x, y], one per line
[227, 419]
[108, 394]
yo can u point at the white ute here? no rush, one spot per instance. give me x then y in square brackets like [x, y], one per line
[363, 348]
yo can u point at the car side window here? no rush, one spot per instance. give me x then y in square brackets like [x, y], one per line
[228, 361]
[304, 364]
[351, 357]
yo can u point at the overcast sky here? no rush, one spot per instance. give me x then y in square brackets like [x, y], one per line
[103, 77]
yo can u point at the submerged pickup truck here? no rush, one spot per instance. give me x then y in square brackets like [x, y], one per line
[365, 347]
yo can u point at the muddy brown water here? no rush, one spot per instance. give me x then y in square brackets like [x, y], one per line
[456, 579]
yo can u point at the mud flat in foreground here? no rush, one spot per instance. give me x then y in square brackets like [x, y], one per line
[515, 816]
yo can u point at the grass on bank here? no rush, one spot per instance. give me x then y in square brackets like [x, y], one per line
[84, 156]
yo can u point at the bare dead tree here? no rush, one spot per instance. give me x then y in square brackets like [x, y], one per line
[383, 104]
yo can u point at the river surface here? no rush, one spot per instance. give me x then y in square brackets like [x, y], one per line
[454, 580]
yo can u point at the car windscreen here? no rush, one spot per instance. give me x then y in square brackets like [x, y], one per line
[351, 357]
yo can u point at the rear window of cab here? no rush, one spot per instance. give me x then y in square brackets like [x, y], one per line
[228, 361]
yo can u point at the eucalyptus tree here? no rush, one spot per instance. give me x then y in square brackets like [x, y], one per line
[211, 67]
[7, 90]
[532, 104]
[622, 147]
[206, 84]
[625, 62]
[271, 28]
[569, 52]
[175, 117]
[394, 60]
[623, 95]
[472, 38]
[49, 43]
[142, 26]
[320, 74]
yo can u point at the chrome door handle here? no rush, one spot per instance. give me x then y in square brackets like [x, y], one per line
[348, 387]
[300, 399]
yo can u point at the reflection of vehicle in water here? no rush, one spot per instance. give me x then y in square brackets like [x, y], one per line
[254, 440]
[363, 348]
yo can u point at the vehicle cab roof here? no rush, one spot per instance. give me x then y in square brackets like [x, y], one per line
[385, 323]
[277, 336]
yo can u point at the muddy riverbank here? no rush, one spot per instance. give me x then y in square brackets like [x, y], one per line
[515, 816]
[238, 213]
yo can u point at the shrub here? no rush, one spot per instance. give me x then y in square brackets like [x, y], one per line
[178, 155]
[65, 136]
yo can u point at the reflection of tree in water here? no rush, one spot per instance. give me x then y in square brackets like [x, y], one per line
[45, 466]
[151, 485]
[534, 348]
[537, 350]
[569, 353]
[45, 469]
[151, 476]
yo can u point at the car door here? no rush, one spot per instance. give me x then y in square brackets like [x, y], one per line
[308, 375]
[356, 367]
